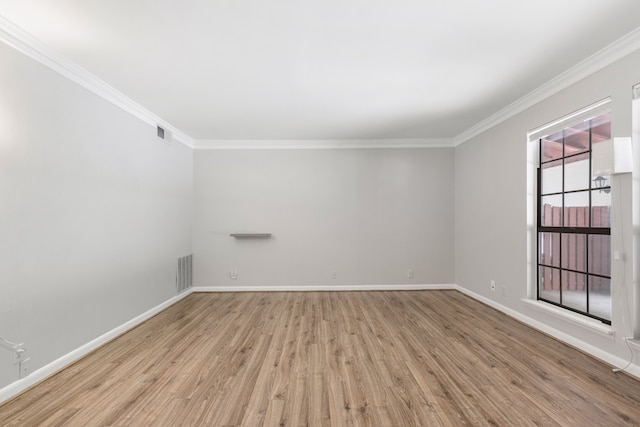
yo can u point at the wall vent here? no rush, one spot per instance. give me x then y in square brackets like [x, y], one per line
[184, 273]
[163, 134]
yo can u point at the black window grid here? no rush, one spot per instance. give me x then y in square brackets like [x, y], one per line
[562, 230]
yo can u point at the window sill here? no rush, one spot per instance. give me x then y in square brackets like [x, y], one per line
[634, 343]
[577, 319]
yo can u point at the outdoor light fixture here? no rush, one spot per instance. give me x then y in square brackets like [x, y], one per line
[600, 184]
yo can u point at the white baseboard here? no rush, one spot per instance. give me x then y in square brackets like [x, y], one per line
[611, 359]
[311, 288]
[46, 371]
[598, 353]
[21, 385]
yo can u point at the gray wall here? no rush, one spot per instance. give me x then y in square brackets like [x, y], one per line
[367, 214]
[491, 205]
[94, 211]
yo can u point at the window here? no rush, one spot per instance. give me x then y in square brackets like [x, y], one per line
[573, 226]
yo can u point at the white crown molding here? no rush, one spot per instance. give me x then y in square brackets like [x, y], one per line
[20, 40]
[25, 43]
[321, 144]
[596, 62]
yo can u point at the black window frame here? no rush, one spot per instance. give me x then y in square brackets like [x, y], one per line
[567, 230]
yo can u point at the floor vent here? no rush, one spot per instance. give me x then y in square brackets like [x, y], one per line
[184, 273]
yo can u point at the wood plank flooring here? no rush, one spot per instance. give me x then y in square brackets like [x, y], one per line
[433, 358]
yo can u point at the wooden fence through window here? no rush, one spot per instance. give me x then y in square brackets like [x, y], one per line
[574, 249]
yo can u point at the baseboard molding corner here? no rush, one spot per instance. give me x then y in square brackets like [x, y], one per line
[15, 388]
[12, 390]
[632, 369]
[330, 288]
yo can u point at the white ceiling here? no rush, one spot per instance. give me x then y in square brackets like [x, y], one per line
[324, 69]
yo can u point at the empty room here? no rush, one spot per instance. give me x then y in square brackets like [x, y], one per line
[277, 213]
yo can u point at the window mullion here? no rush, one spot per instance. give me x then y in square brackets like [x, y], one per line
[588, 249]
[562, 215]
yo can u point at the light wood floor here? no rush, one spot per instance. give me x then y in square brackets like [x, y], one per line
[325, 358]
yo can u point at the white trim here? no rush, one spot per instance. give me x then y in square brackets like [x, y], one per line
[20, 40]
[636, 91]
[321, 144]
[48, 370]
[312, 288]
[25, 43]
[596, 62]
[575, 318]
[592, 350]
[591, 111]
[41, 374]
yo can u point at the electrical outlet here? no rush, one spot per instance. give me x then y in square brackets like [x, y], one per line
[410, 274]
[493, 285]
[334, 275]
[233, 274]
[25, 367]
[504, 291]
